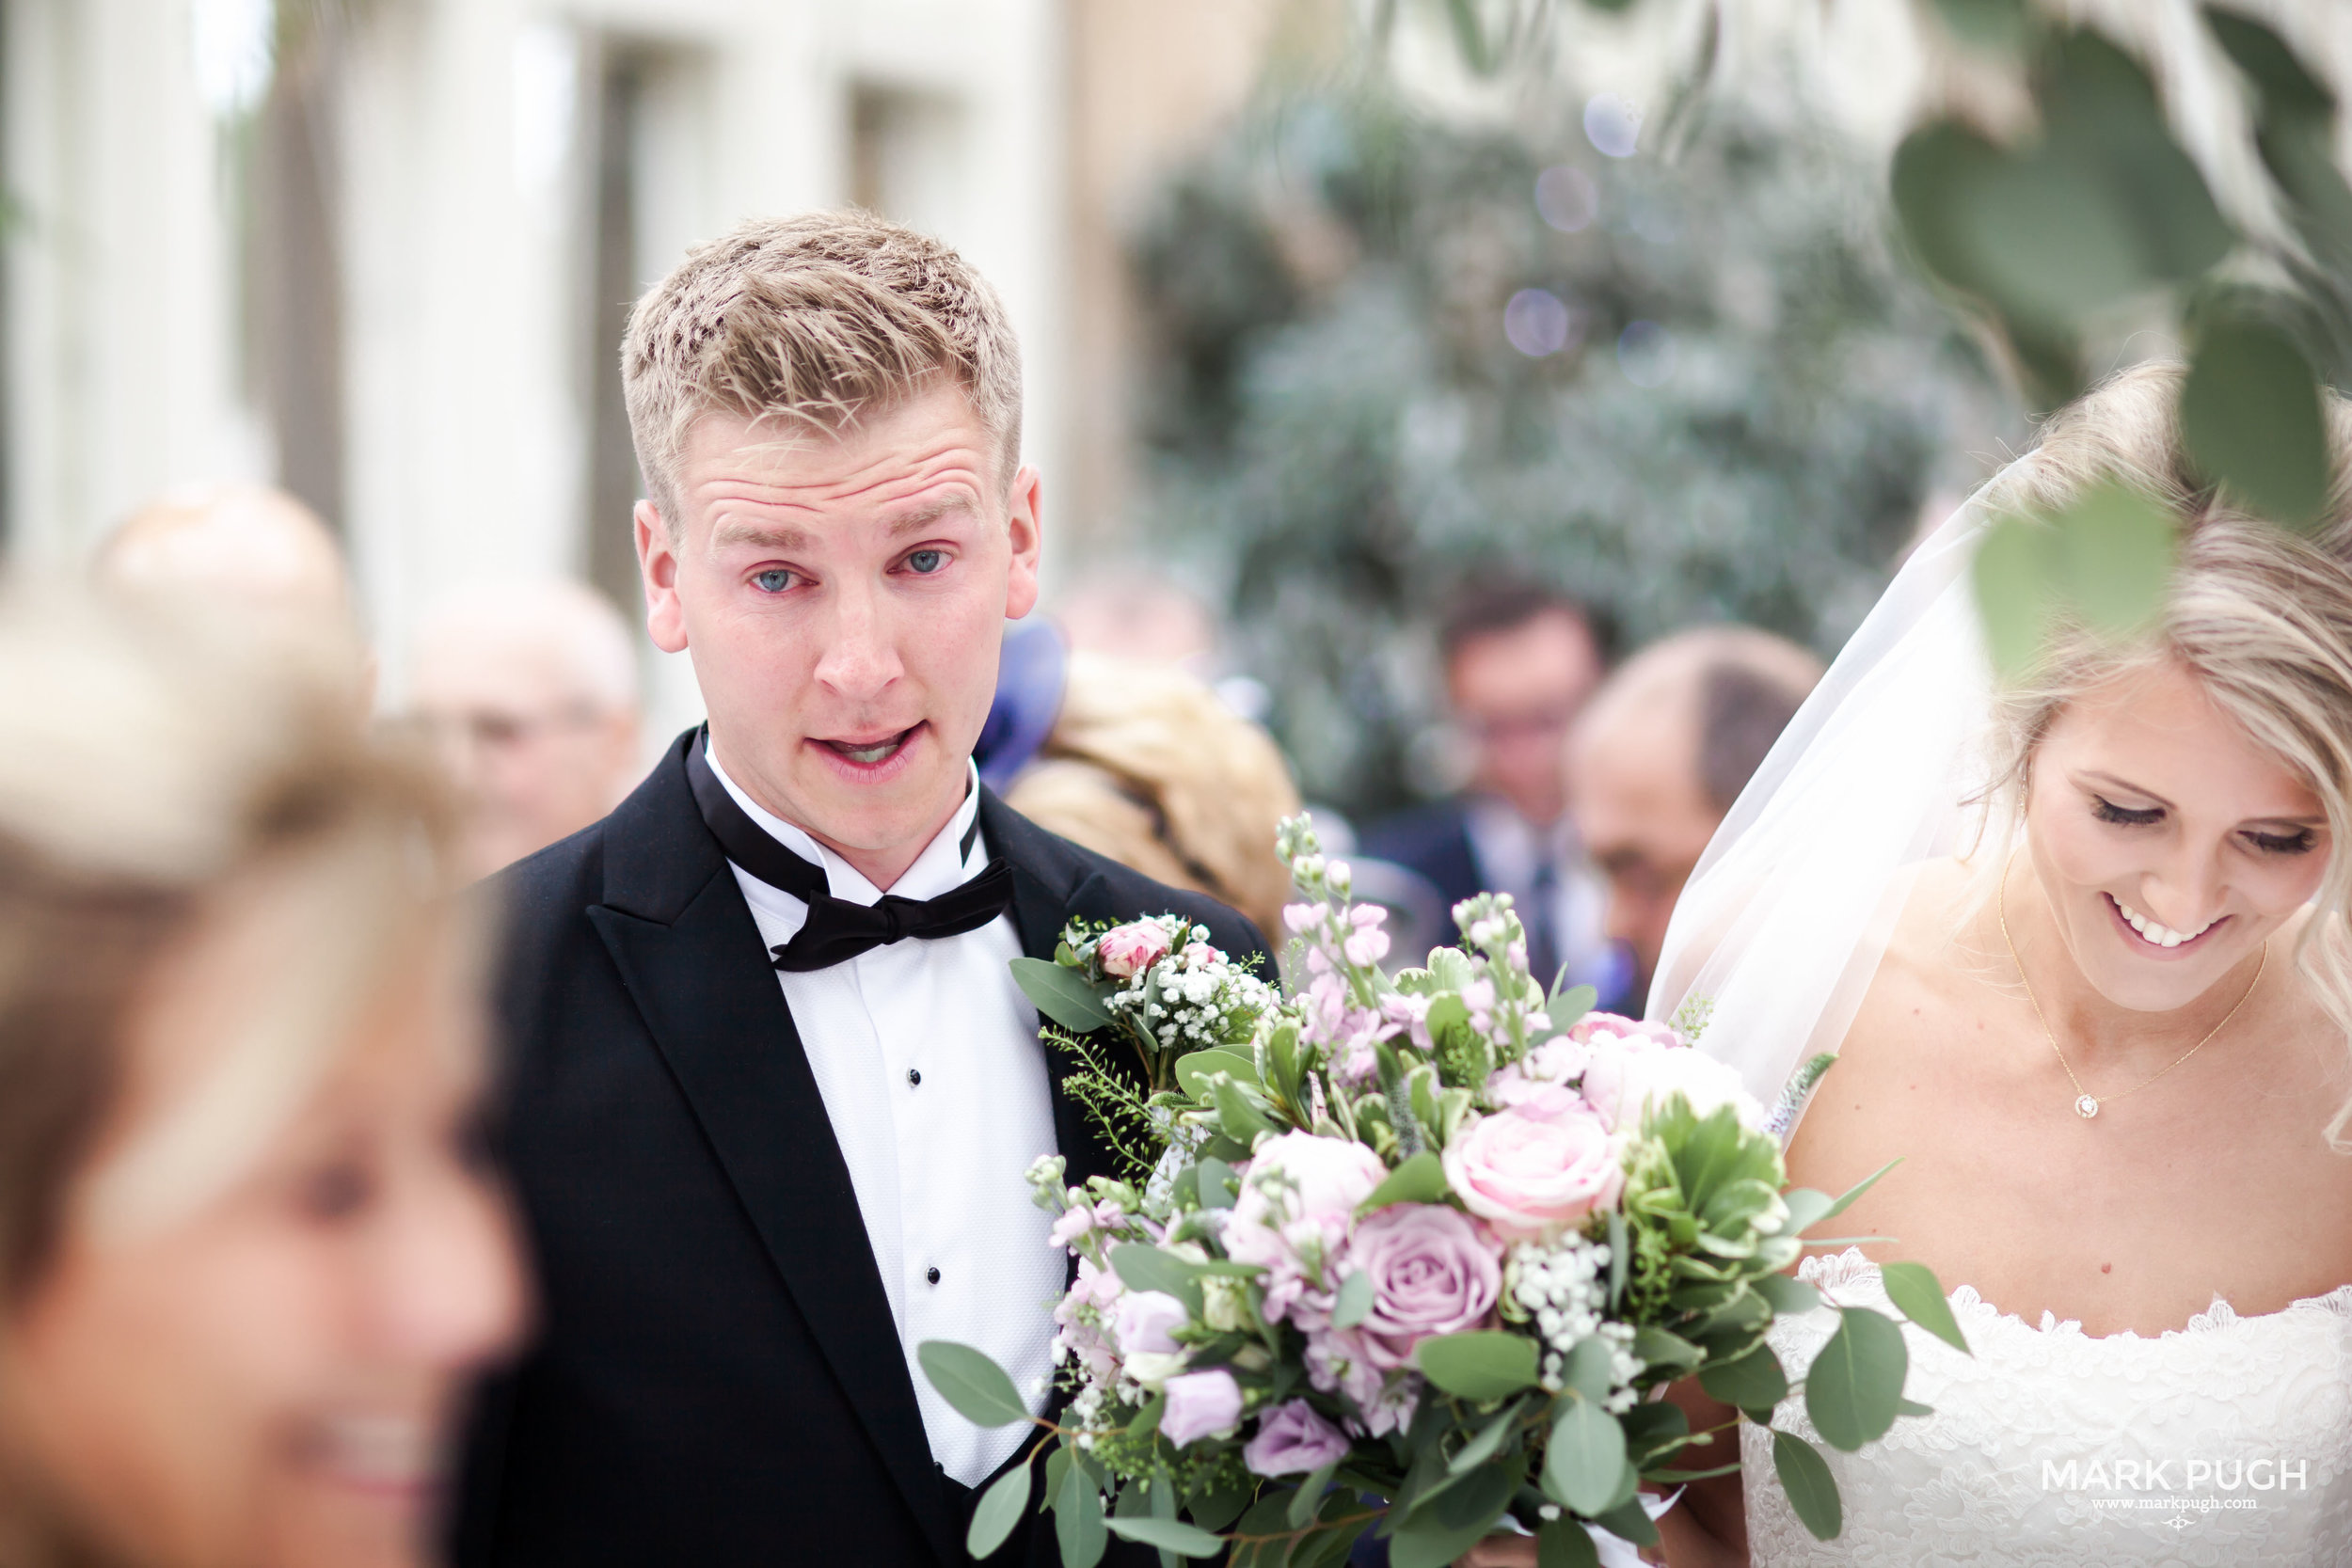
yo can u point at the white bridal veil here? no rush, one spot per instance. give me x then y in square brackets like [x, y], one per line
[1782, 925]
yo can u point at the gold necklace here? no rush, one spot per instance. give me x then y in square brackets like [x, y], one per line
[2086, 1103]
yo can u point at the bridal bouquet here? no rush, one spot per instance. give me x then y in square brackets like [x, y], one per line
[1411, 1253]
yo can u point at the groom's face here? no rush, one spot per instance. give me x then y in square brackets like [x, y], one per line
[842, 597]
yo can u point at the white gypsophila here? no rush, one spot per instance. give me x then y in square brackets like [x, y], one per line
[1194, 997]
[1563, 1288]
[1185, 1140]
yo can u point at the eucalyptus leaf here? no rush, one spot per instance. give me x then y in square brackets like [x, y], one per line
[1063, 995]
[1753, 1381]
[1787, 1296]
[1309, 1496]
[1193, 1070]
[2251, 418]
[1586, 1462]
[2015, 577]
[998, 1511]
[1564, 1542]
[1078, 1522]
[1141, 1266]
[1987, 23]
[1812, 1491]
[973, 1384]
[1218, 1185]
[1241, 1119]
[1628, 1521]
[1483, 1365]
[1857, 1379]
[1589, 1366]
[1918, 1296]
[1168, 1535]
[1568, 1007]
[1490, 1438]
[1352, 1301]
[1419, 1180]
[2116, 548]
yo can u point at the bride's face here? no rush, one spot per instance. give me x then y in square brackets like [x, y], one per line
[2170, 844]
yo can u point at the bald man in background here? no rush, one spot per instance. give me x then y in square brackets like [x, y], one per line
[248, 551]
[1658, 755]
[531, 692]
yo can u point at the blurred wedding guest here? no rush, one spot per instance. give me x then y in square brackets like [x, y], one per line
[249, 553]
[1143, 764]
[531, 692]
[1520, 660]
[248, 1255]
[1665, 747]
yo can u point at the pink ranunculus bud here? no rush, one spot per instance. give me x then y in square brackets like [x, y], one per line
[1538, 1168]
[1125, 951]
[1200, 1404]
[1146, 1320]
[1293, 1440]
[1433, 1271]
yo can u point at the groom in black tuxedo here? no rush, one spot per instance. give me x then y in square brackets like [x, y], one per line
[772, 1091]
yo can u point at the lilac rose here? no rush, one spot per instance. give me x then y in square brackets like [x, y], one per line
[1200, 1404]
[1293, 1440]
[1433, 1271]
[1146, 1320]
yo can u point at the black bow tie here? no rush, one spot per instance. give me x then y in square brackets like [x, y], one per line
[838, 930]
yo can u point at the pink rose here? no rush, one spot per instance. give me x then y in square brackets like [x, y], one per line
[1627, 1076]
[1125, 951]
[1555, 1061]
[1594, 1027]
[1200, 1404]
[1433, 1272]
[1146, 1320]
[1293, 1440]
[1537, 1167]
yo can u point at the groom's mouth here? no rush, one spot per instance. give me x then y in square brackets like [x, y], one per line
[870, 754]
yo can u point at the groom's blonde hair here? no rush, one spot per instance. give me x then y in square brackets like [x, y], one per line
[2263, 617]
[811, 322]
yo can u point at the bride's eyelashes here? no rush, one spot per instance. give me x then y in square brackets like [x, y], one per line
[2299, 842]
[2124, 816]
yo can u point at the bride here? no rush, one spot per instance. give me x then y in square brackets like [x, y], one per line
[2080, 942]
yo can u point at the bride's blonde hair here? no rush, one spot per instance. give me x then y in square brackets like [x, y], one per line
[2261, 616]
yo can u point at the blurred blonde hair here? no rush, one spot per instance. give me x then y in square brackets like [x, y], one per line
[2263, 617]
[147, 766]
[814, 320]
[1146, 765]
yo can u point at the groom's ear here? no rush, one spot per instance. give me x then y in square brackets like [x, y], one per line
[1025, 502]
[657, 568]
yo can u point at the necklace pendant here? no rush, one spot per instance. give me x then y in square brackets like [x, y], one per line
[2085, 1107]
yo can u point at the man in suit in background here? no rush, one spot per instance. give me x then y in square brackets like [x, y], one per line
[1520, 660]
[1661, 754]
[773, 1090]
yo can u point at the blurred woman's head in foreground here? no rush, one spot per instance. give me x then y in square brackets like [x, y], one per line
[249, 1251]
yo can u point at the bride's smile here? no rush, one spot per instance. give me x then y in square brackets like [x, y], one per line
[2170, 846]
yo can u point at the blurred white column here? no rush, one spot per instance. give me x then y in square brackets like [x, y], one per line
[120, 357]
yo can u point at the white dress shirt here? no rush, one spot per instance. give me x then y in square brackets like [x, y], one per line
[928, 1058]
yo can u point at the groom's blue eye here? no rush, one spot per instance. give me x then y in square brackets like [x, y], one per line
[924, 562]
[775, 579]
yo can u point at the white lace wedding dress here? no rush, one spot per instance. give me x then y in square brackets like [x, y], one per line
[2004, 1471]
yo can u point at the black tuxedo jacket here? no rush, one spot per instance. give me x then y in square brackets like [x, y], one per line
[716, 1379]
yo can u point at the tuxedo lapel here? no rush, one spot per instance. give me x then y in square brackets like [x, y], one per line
[1051, 888]
[678, 929]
